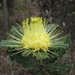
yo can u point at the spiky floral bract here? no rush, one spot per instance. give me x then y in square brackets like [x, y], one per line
[35, 37]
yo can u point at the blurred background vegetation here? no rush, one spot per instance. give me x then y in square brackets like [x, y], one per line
[60, 12]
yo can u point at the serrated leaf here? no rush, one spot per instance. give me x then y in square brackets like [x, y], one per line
[59, 67]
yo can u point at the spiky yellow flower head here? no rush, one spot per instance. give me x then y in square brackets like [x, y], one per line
[35, 36]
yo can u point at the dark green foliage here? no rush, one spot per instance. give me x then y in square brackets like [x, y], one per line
[59, 67]
[48, 62]
[41, 55]
[26, 53]
[41, 61]
[26, 62]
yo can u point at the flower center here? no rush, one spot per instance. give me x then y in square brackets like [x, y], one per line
[35, 36]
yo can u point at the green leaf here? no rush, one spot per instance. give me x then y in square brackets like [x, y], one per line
[61, 45]
[26, 62]
[51, 28]
[65, 56]
[13, 36]
[26, 52]
[20, 29]
[16, 31]
[59, 67]
[30, 63]
[41, 55]
[10, 43]
[63, 42]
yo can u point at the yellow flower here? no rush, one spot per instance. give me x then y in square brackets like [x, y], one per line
[35, 36]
